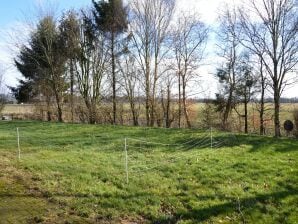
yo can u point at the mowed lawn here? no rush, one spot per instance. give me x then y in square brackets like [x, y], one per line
[75, 173]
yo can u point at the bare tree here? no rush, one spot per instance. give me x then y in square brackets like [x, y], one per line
[246, 86]
[110, 17]
[130, 83]
[230, 51]
[190, 36]
[167, 84]
[69, 29]
[150, 20]
[262, 85]
[262, 100]
[90, 64]
[271, 32]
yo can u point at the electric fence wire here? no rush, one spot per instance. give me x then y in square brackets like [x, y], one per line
[136, 167]
[203, 138]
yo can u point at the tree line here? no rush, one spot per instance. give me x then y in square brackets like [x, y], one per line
[145, 57]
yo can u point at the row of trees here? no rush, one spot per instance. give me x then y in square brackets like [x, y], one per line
[137, 52]
[149, 55]
[259, 50]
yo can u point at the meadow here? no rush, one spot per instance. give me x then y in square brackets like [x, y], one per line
[76, 173]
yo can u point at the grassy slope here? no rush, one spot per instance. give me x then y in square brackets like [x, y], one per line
[76, 173]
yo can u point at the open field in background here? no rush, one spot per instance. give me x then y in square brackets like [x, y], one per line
[286, 108]
[29, 111]
[76, 173]
[18, 109]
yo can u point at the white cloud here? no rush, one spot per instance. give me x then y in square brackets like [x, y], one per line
[208, 9]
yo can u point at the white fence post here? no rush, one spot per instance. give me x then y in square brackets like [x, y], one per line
[126, 160]
[19, 148]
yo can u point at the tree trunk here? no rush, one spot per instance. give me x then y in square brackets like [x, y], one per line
[59, 108]
[71, 90]
[262, 107]
[245, 113]
[147, 85]
[55, 87]
[246, 119]
[276, 112]
[113, 77]
[168, 122]
[134, 113]
[147, 102]
[49, 115]
[152, 110]
[184, 102]
[91, 111]
[179, 99]
[60, 118]
[227, 110]
[48, 100]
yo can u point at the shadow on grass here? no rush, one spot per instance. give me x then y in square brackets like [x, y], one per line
[196, 214]
[91, 136]
[261, 143]
[203, 214]
[255, 143]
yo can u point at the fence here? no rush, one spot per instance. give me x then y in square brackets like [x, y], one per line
[102, 161]
[128, 152]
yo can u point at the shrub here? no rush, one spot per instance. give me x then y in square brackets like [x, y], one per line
[209, 115]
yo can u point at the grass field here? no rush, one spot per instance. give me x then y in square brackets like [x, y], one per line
[71, 173]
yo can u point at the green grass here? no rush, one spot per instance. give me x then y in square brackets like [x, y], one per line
[76, 173]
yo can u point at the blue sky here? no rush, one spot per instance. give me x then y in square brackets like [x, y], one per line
[13, 10]
[13, 14]
[13, 17]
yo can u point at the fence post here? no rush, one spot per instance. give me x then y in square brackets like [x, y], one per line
[126, 160]
[19, 148]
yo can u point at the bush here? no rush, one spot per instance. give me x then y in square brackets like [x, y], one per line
[209, 115]
[295, 113]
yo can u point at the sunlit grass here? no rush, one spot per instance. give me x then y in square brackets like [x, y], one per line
[82, 167]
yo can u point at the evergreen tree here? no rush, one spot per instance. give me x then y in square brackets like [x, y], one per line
[42, 62]
[111, 18]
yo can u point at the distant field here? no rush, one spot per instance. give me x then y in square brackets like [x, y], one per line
[286, 109]
[77, 174]
[197, 117]
[18, 109]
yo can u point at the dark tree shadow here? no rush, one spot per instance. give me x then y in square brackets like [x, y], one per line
[200, 215]
[255, 143]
